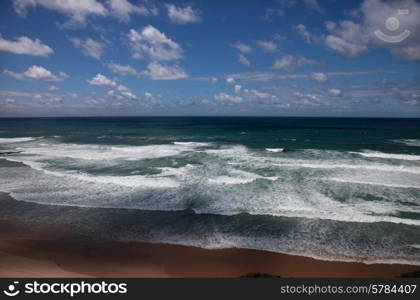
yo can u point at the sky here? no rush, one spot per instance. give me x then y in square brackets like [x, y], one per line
[219, 58]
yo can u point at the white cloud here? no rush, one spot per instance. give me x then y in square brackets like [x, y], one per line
[92, 101]
[288, 62]
[304, 33]
[344, 47]
[153, 44]
[243, 60]
[271, 13]
[122, 69]
[229, 98]
[261, 97]
[347, 38]
[244, 48]
[314, 5]
[50, 100]
[284, 63]
[123, 9]
[319, 77]
[158, 71]
[53, 88]
[89, 47]
[230, 80]
[334, 92]
[237, 88]
[267, 46]
[9, 101]
[351, 39]
[37, 73]
[76, 11]
[103, 81]
[116, 90]
[179, 15]
[308, 99]
[25, 45]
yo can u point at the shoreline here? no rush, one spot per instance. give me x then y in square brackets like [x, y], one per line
[33, 254]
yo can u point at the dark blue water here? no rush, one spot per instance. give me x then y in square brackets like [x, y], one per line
[324, 187]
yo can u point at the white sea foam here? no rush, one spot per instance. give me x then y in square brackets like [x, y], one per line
[228, 189]
[408, 142]
[105, 152]
[191, 144]
[391, 185]
[274, 149]
[16, 140]
[373, 154]
[236, 150]
[238, 177]
[383, 168]
[133, 181]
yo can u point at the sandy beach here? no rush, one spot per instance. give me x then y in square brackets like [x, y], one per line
[57, 253]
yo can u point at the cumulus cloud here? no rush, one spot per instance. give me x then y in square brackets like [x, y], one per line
[89, 47]
[237, 88]
[179, 15]
[351, 38]
[268, 46]
[308, 99]
[261, 97]
[116, 90]
[334, 92]
[9, 101]
[314, 5]
[123, 9]
[122, 69]
[230, 80]
[304, 33]
[223, 97]
[243, 60]
[244, 48]
[347, 38]
[271, 13]
[92, 101]
[37, 73]
[76, 11]
[25, 45]
[53, 88]
[103, 81]
[319, 77]
[153, 44]
[284, 63]
[288, 62]
[158, 71]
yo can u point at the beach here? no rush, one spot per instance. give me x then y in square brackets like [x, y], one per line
[32, 254]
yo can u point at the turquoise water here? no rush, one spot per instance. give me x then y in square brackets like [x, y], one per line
[346, 189]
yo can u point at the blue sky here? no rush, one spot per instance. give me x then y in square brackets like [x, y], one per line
[274, 58]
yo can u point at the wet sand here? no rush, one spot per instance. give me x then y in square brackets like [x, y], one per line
[58, 253]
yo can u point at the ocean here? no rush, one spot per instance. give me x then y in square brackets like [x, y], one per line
[329, 188]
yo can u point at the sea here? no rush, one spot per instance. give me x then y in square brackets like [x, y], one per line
[343, 189]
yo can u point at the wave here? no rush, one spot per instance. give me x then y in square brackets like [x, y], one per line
[383, 168]
[192, 144]
[16, 140]
[391, 185]
[105, 152]
[372, 154]
[408, 142]
[274, 149]
[228, 180]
